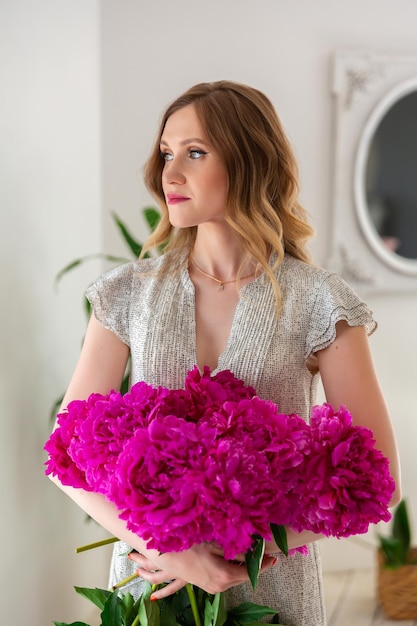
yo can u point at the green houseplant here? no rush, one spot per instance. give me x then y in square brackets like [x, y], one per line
[397, 568]
[134, 248]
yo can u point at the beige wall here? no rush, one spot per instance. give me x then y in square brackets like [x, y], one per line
[83, 85]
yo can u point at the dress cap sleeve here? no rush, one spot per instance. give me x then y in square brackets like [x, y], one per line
[335, 301]
[110, 297]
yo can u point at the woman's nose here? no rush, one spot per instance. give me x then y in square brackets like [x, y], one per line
[173, 173]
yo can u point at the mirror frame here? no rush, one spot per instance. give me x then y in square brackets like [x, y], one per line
[364, 87]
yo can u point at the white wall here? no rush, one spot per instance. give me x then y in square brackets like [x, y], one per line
[50, 213]
[75, 130]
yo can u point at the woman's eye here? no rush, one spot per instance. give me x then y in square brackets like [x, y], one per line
[196, 154]
[193, 154]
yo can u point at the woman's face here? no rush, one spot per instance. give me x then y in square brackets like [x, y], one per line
[194, 178]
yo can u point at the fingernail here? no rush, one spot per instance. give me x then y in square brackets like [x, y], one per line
[153, 599]
[129, 556]
[274, 561]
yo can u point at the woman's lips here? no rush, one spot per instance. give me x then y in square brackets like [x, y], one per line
[175, 198]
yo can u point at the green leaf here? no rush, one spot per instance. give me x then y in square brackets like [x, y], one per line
[68, 268]
[89, 257]
[134, 246]
[124, 388]
[208, 613]
[55, 408]
[97, 596]
[180, 601]
[201, 597]
[87, 307]
[220, 616]
[128, 602]
[401, 526]
[253, 560]
[257, 623]
[215, 613]
[168, 617]
[152, 217]
[393, 550]
[280, 536]
[72, 624]
[134, 613]
[148, 612]
[248, 612]
[261, 624]
[112, 613]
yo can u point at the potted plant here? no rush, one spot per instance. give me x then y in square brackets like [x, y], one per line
[397, 569]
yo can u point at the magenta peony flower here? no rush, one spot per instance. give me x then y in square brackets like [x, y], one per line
[210, 392]
[153, 483]
[347, 484]
[59, 462]
[93, 432]
[213, 462]
[222, 479]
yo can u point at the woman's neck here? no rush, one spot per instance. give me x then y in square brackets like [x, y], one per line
[220, 253]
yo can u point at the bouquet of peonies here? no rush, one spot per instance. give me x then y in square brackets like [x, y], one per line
[213, 462]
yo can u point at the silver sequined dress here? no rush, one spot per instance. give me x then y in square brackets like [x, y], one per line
[153, 311]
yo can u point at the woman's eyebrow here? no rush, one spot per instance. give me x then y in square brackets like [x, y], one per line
[186, 142]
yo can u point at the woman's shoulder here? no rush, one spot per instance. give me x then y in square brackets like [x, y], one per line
[137, 268]
[133, 277]
[320, 299]
[320, 291]
[131, 284]
[293, 270]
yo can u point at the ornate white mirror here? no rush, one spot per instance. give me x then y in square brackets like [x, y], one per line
[374, 200]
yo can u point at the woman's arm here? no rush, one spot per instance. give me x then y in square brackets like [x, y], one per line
[349, 378]
[101, 364]
[100, 368]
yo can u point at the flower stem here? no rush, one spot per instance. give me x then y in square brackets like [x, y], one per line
[193, 602]
[124, 582]
[96, 544]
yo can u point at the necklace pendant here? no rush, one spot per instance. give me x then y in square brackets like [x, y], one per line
[220, 287]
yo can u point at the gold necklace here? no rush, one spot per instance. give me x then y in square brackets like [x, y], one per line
[220, 283]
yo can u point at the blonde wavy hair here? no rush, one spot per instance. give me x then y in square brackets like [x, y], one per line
[262, 205]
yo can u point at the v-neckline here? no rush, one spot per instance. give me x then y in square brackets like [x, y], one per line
[241, 303]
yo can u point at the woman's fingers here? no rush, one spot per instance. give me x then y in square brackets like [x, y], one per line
[148, 571]
[206, 569]
[155, 577]
[168, 590]
[268, 561]
[143, 561]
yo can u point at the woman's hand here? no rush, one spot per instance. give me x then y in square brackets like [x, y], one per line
[203, 565]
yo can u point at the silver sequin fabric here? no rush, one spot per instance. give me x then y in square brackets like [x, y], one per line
[152, 309]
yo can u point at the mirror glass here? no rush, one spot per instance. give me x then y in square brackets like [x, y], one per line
[386, 178]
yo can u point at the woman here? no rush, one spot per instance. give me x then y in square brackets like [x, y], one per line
[234, 290]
